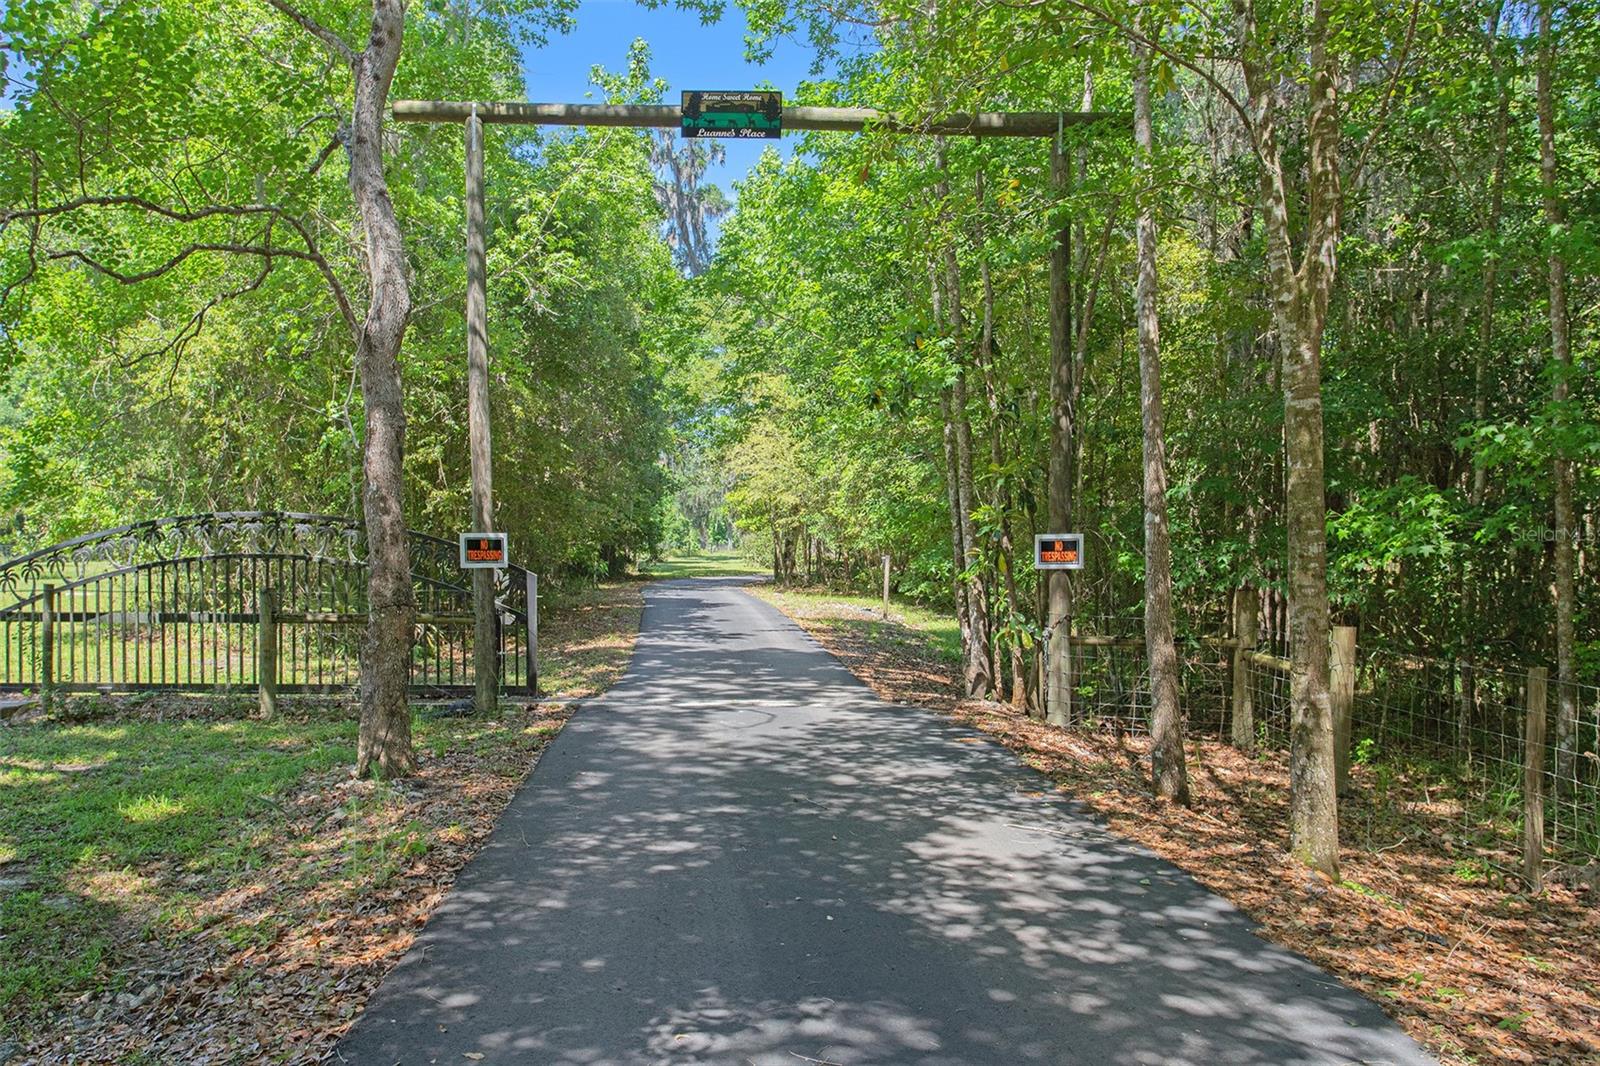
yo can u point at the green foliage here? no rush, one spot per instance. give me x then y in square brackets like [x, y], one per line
[1433, 382]
[791, 394]
[180, 393]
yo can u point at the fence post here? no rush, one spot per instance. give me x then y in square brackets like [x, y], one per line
[1342, 698]
[267, 651]
[1533, 781]
[47, 648]
[1244, 633]
[885, 588]
[1039, 685]
[533, 634]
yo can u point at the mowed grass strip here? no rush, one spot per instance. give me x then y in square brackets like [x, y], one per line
[909, 628]
[709, 564]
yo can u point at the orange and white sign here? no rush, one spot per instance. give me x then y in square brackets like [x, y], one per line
[1058, 551]
[484, 551]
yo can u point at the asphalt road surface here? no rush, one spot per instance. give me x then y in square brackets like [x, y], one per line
[740, 855]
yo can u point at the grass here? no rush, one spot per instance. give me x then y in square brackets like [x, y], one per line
[88, 805]
[910, 628]
[125, 836]
[185, 849]
[710, 564]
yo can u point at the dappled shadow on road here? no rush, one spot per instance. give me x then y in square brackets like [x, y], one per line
[741, 856]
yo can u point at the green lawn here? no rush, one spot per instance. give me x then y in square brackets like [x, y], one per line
[910, 626]
[115, 825]
[129, 831]
[86, 805]
[711, 564]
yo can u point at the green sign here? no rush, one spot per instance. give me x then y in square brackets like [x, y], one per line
[732, 114]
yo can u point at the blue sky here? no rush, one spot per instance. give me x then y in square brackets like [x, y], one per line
[682, 51]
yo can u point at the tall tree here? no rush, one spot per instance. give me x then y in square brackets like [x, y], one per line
[978, 668]
[1566, 561]
[1000, 504]
[689, 203]
[384, 744]
[98, 174]
[1168, 769]
[1300, 287]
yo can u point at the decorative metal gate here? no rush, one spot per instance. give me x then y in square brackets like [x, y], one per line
[175, 603]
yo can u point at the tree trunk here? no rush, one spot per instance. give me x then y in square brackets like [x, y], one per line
[1491, 268]
[958, 548]
[1299, 310]
[1168, 772]
[1313, 810]
[1006, 556]
[1471, 577]
[978, 673]
[384, 742]
[1006, 562]
[1561, 357]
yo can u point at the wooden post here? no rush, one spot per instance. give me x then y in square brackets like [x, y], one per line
[533, 634]
[1058, 613]
[827, 119]
[485, 646]
[1533, 781]
[47, 648]
[885, 588]
[1464, 701]
[1342, 696]
[267, 651]
[1245, 609]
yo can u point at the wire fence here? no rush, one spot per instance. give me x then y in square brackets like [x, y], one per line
[1463, 725]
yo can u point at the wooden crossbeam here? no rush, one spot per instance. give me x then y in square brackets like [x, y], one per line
[834, 119]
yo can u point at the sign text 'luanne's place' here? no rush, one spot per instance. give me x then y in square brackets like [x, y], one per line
[1058, 551]
[744, 113]
[484, 551]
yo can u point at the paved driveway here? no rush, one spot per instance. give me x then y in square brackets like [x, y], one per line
[740, 855]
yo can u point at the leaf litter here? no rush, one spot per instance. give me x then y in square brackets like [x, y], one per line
[1474, 969]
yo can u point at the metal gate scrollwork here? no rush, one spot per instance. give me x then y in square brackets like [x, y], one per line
[173, 603]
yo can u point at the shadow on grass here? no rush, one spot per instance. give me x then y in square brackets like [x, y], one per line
[711, 564]
[85, 805]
